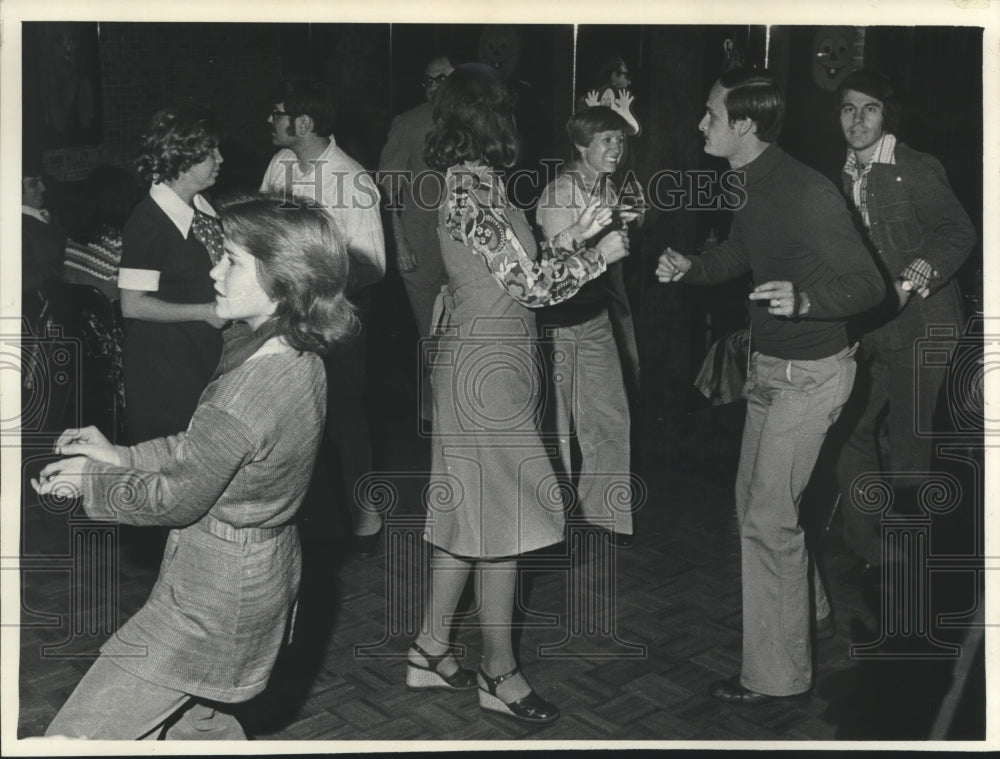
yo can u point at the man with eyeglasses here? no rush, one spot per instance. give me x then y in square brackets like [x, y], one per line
[620, 77]
[608, 79]
[310, 165]
[414, 192]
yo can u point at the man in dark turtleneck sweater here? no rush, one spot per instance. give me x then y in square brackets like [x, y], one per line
[811, 271]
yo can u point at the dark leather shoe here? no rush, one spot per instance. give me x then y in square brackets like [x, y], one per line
[530, 708]
[622, 540]
[366, 546]
[732, 692]
[420, 676]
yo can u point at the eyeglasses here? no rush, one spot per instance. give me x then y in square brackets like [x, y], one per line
[277, 114]
[429, 80]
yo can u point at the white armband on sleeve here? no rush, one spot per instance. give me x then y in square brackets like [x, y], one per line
[146, 280]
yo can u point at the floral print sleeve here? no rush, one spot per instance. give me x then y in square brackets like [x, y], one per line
[476, 216]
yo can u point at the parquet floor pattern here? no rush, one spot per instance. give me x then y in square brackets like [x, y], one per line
[625, 640]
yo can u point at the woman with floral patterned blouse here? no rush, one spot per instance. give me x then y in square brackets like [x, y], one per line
[489, 498]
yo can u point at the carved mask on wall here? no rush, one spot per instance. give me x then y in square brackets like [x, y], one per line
[833, 56]
[499, 48]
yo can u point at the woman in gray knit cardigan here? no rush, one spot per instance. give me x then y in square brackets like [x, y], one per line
[229, 487]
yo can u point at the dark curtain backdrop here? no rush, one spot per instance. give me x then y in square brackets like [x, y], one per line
[376, 70]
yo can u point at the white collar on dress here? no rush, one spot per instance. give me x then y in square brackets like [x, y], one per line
[179, 212]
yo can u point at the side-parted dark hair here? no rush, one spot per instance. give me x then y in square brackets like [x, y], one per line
[585, 123]
[874, 85]
[302, 265]
[312, 98]
[473, 119]
[176, 138]
[755, 95]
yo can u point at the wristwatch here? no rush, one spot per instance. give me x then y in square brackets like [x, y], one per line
[905, 284]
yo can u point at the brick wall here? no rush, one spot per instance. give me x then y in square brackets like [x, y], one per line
[232, 68]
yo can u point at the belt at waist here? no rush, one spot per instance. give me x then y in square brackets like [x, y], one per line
[234, 534]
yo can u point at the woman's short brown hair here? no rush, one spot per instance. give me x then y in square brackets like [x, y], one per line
[594, 119]
[176, 139]
[302, 265]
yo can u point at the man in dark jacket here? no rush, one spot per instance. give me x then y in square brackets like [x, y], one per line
[919, 236]
[43, 241]
[413, 192]
[795, 235]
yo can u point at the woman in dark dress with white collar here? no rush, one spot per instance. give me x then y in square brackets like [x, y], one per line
[172, 339]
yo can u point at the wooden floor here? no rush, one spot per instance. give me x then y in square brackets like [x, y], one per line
[624, 640]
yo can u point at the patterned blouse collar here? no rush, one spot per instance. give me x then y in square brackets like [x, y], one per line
[179, 212]
[478, 167]
[487, 181]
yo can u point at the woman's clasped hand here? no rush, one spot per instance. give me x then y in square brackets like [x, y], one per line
[64, 478]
